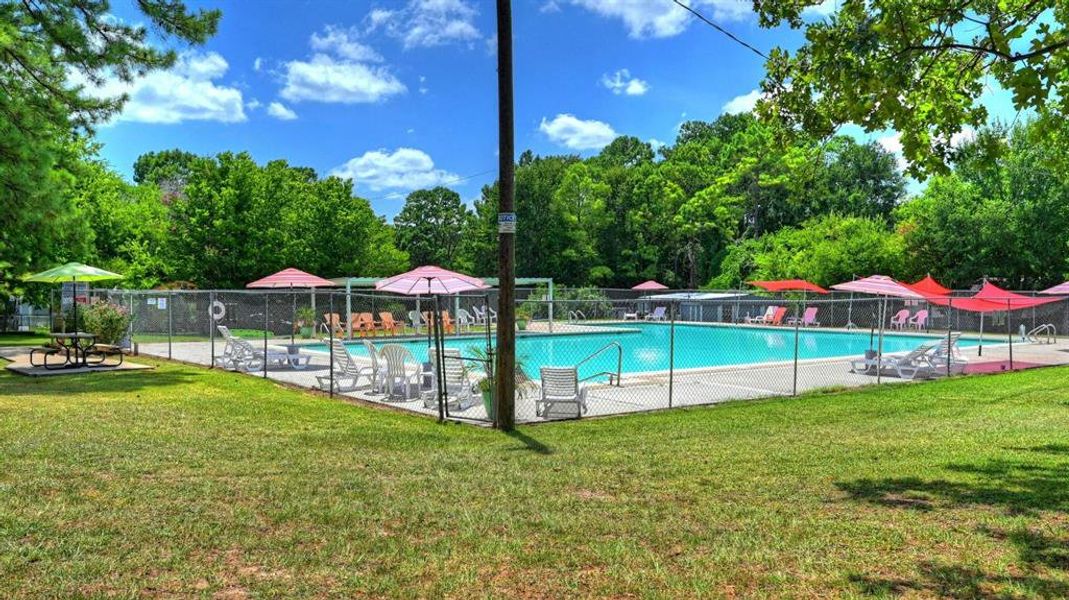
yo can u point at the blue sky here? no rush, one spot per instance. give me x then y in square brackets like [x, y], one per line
[401, 94]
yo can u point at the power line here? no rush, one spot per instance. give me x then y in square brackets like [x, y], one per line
[721, 30]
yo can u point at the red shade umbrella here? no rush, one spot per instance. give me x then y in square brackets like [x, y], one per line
[430, 280]
[650, 285]
[292, 278]
[789, 285]
[929, 286]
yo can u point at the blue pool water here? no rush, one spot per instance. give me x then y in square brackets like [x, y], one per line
[646, 346]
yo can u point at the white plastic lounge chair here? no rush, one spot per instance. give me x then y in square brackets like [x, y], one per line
[948, 352]
[464, 320]
[657, 314]
[915, 363]
[416, 319]
[899, 320]
[378, 368]
[484, 315]
[455, 380]
[765, 318]
[241, 355]
[809, 318]
[347, 372]
[561, 396]
[400, 380]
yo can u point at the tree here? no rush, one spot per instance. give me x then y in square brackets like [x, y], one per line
[917, 67]
[50, 50]
[431, 226]
[826, 250]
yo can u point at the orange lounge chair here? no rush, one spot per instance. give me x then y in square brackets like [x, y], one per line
[388, 324]
[777, 317]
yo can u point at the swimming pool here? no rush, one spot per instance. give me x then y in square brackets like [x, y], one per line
[646, 346]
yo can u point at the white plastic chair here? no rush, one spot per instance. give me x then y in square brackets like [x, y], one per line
[561, 396]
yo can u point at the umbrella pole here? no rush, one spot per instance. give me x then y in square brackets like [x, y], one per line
[293, 312]
[74, 299]
[980, 346]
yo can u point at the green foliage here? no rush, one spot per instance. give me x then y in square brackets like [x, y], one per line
[917, 67]
[431, 227]
[1005, 216]
[109, 322]
[49, 51]
[825, 250]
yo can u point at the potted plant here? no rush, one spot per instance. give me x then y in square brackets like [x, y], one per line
[306, 321]
[522, 317]
[485, 385]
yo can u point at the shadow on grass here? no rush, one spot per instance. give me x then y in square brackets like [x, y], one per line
[1017, 487]
[530, 443]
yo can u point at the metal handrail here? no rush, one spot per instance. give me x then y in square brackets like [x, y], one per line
[619, 362]
[1047, 328]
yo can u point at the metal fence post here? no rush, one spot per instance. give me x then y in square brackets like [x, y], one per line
[950, 335]
[794, 381]
[266, 325]
[879, 344]
[211, 326]
[671, 353]
[330, 333]
[1009, 329]
[170, 322]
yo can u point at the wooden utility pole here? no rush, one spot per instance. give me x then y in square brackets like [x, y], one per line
[505, 386]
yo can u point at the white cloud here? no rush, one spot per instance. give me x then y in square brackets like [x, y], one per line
[404, 168]
[549, 6]
[339, 72]
[893, 143]
[650, 18]
[621, 82]
[324, 79]
[423, 89]
[427, 23]
[741, 104]
[281, 111]
[257, 64]
[185, 92]
[656, 144]
[577, 134]
[253, 104]
[343, 43]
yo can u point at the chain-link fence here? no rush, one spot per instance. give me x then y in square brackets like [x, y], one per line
[592, 356]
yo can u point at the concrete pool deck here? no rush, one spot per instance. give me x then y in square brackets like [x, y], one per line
[639, 392]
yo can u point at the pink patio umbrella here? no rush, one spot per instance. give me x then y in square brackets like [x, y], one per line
[292, 278]
[879, 285]
[1062, 289]
[430, 280]
[650, 286]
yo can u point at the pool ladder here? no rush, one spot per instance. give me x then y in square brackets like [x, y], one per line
[614, 378]
[1043, 334]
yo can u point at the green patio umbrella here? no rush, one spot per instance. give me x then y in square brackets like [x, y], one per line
[73, 272]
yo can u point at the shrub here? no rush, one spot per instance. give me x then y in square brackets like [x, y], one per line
[109, 322]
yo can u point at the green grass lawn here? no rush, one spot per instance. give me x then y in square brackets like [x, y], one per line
[188, 482]
[23, 339]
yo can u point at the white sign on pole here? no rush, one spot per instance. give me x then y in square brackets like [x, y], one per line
[506, 222]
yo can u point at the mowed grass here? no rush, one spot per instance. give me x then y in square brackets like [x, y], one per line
[188, 482]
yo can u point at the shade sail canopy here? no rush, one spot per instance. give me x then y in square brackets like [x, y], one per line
[991, 298]
[879, 285]
[72, 271]
[650, 285]
[789, 285]
[693, 296]
[929, 286]
[430, 280]
[1062, 289]
[290, 278]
